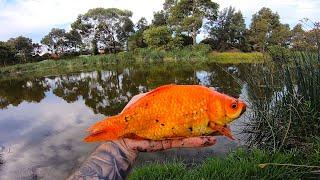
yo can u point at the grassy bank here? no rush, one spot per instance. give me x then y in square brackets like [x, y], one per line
[238, 57]
[199, 55]
[240, 164]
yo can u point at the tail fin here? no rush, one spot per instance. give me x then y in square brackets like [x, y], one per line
[108, 129]
[104, 136]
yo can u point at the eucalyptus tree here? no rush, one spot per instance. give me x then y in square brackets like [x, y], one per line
[6, 53]
[189, 16]
[136, 39]
[229, 30]
[73, 40]
[105, 27]
[22, 46]
[55, 40]
[266, 29]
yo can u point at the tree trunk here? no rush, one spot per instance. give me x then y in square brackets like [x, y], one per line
[194, 35]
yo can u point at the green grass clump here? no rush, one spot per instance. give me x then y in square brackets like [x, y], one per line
[159, 171]
[240, 164]
[238, 57]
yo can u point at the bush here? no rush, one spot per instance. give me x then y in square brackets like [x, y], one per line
[279, 53]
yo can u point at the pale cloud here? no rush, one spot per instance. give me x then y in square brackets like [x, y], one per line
[39, 16]
[290, 11]
[34, 18]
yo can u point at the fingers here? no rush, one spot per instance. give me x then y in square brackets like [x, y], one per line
[151, 146]
[194, 142]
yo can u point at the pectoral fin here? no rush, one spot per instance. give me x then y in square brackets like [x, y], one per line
[224, 130]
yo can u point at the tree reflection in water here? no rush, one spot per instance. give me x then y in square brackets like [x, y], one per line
[107, 92]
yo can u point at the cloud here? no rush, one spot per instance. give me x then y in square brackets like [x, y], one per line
[290, 11]
[35, 18]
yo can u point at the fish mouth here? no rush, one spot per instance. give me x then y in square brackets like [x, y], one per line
[243, 109]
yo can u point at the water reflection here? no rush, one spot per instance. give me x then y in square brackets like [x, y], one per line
[43, 120]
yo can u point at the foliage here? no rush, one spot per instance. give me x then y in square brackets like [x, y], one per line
[229, 31]
[136, 39]
[159, 18]
[55, 40]
[73, 40]
[197, 55]
[6, 53]
[238, 57]
[108, 27]
[158, 37]
[285, 104]
[266, 29]
[23, 47]
[189, 16]
[279, 53]
[240, 164]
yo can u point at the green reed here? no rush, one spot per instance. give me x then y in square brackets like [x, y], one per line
[285, 104]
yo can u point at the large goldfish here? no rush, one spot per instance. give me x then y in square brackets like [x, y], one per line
[171, 111]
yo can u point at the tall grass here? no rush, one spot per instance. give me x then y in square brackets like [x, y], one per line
[285, 104]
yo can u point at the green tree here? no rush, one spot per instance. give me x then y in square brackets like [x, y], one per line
[108, 27]
[281, 35]
[159, 18]
[158, 37]
[7, 53]
[229, 30]
[266, 29]
[298, 40]
[190, 15]
[136, 39]
[73, 40]
[141, 25]
[23, 47]
[55, 40]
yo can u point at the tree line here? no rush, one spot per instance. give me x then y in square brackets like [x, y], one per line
[178, 24]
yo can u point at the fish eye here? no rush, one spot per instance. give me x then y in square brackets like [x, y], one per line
[234, 105]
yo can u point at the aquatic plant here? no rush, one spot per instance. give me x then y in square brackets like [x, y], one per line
[285, 104]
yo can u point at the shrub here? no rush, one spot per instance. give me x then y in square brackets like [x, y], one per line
[279, 53]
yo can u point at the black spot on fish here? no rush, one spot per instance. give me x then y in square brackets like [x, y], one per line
[126, 118]
[162, 124]
[190, 128]
[157, 120]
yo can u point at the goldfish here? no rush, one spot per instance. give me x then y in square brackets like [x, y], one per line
[171, 111]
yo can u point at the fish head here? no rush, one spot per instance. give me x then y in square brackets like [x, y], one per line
[224, 109]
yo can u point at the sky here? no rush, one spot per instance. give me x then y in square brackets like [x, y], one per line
[35, 18]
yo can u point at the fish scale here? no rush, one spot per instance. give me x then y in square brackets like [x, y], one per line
[169, 111]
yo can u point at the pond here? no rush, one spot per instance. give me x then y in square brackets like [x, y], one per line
[43, 119]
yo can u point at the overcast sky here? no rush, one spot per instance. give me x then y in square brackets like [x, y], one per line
[35, 18]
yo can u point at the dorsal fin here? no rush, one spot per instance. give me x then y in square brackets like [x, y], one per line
[157, 90]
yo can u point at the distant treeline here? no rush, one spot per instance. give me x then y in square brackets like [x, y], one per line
[177, 25]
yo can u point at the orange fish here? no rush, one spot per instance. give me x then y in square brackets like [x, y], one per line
[171, 111]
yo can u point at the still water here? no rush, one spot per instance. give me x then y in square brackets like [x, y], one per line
[43, 119]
